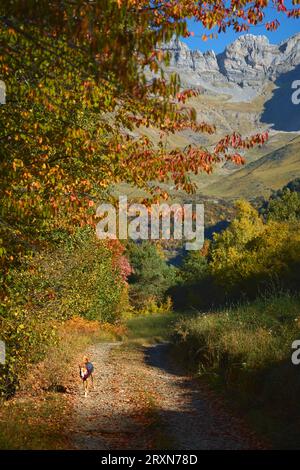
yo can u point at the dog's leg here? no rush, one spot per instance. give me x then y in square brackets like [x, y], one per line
[92, 381]
[85, 388]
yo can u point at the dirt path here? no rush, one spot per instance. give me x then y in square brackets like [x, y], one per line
[106, 419]
[143, 401]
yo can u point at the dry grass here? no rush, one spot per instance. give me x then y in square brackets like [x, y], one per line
[245, 353]
[270, 172]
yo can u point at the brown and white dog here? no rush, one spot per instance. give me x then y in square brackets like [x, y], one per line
[86, 374]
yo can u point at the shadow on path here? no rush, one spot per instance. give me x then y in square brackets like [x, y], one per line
[191, 416]
[130, 384]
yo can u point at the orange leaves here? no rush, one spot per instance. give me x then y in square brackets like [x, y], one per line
[272, 25]
[15, 164]
[205, 37]
[182, 96]
[261, 3]
[235, 141]
[294, 13]
[176, 164]
[236, 158]
[83, 92]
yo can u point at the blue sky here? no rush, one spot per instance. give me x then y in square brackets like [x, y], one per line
[287, 28]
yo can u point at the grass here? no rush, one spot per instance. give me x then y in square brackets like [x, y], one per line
[245, 354]
[151, 329]
[34, 423]
[270, 172]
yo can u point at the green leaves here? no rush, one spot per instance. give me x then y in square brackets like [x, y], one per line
[78, 277]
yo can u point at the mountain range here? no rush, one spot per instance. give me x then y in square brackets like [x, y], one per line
[241, 70]
[247, 88]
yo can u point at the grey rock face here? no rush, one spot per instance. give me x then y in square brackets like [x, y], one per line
[248, 59]
[240, 70]
[289, 56]
[183, 57]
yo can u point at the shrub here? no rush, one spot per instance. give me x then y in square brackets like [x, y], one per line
[246, 351]
[151, 276]
[80, 276]
[249, 257]
[154, 308]
[241, 341]
[286, 207]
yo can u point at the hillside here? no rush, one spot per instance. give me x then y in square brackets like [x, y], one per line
[260, 177]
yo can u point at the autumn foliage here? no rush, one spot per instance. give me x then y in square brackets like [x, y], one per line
[77, 100]
[77, 90]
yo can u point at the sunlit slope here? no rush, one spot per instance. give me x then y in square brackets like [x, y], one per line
[261, 176]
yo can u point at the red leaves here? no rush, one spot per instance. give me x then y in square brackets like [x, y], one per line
[74, 118]
[272, 25]
[119, 259]
[294, 13]
[235, 141]
[162, 165]
[184, 95]
[177, 164]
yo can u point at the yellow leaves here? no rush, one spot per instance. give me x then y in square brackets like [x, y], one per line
[154, 67]
[11, 32]
[17, 163]
[27, 175]
[5, 68]
[160, 55]
[35, 185]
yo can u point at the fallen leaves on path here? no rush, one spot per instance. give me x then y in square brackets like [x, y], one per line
[141, 400]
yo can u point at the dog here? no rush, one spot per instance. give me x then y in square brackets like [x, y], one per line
[86, 374]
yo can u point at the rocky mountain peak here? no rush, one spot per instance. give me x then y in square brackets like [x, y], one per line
[248, 59]
[240, 70]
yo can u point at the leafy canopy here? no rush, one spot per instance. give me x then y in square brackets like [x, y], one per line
[75, 73]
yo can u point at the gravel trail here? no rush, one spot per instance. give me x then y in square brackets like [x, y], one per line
[142, 400]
